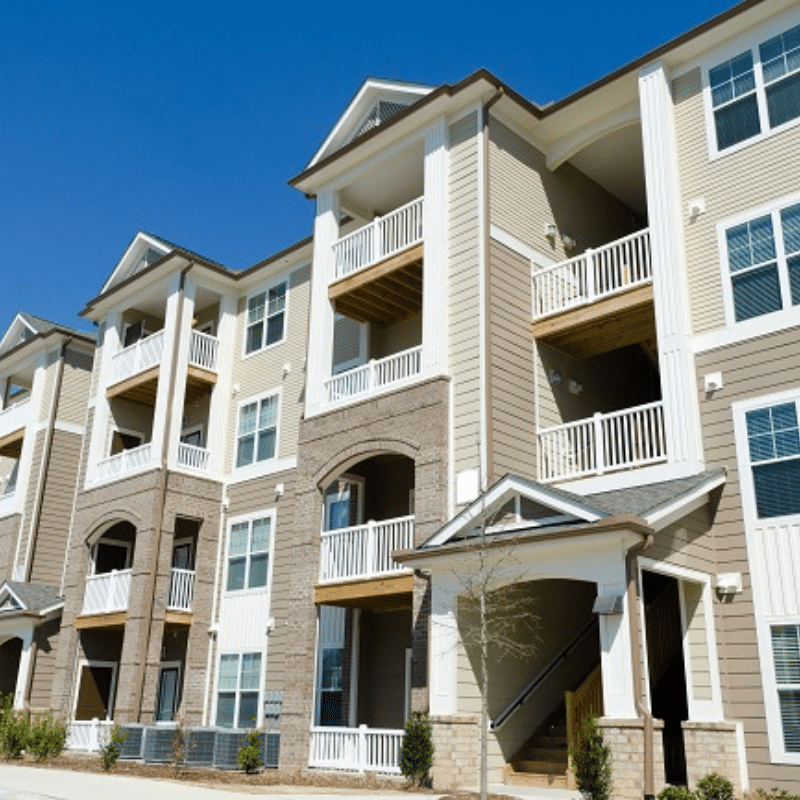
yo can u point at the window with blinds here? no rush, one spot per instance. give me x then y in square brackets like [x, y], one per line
[786, 654]
[238, 684]
[258, 431]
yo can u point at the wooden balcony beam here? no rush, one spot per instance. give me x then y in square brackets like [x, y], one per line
[388, 592]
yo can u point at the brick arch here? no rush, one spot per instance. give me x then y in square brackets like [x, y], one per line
[110, 518]
[359, 451]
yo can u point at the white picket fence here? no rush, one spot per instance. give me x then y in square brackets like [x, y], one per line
[138, 357]
[606, 271]
[383, 237]
[359, 749]
[88, 735]
[107, 592]
[181, 589]
[203, 350]
[603, 443]
[124, 463]
[374, 376]
[364, 550]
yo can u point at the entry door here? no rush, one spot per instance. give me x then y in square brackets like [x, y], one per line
[341, 506]
[167, 694]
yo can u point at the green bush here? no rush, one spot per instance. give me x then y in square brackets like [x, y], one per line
[416, 751]
[110, 751]
[591, 762]
[714, 787]
[14, 729]
[48, 737]
[677, 793]
[250, 751]
[776, 794]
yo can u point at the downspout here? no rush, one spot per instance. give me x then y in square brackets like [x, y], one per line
[161, 495]
[486, 477]
[640, 690]
[45, 466]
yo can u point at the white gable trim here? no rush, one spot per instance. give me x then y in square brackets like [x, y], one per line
[503, 490]
[136, 249]
[7, 591]
[664, 515]
[14, 331]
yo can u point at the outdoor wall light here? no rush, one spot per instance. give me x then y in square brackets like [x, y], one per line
[555, 377]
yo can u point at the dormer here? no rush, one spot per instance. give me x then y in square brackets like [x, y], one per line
[144, 250]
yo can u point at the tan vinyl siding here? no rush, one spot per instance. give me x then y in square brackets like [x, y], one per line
[697, 639]
[46, 638]
[730, 185]
[9, 531]
[525, 195]
[56, 512]
[463, 280]
[510, 366]
[687, 543]
[259, 495]
[75, 388]
[30, 493]
[261, 372]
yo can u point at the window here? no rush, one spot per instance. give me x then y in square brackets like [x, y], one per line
[258, 431]
[248, 554]
[266, 318]
[786, 654]
[11, 481]
[774, 449]
[133, 333]
[756, 90]
[237, 690]
[764, 263]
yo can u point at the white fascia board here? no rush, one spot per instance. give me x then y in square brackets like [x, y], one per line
[366, 95]
[14, 330]
[503, 490]
[6, 590]
[665, 515]
[134, 251]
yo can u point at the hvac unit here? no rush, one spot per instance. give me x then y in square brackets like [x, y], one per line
[132, 743]
[270, 749]
[158, 745]
[200, 746]
[226, 749]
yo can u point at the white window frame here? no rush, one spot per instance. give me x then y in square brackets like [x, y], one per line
[261, 680]
[128, 432]
[788, 315]
[256, 467]
[249, 518]
[264, 289]
[112, 691]
[751, 41]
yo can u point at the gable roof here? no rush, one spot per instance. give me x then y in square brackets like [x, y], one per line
[25, 327]
[30, 597]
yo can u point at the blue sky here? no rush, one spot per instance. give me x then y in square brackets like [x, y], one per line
[187, 118]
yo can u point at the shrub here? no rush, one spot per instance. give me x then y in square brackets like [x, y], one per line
[250, 751]
[714, 787]
[776, 794]
[416, 751]
[14, 729]
[48, 737]
[110, 751]
[591, 762]
[677, 793]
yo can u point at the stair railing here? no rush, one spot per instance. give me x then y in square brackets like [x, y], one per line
[540, 678]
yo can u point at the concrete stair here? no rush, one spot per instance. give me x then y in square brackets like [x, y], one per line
[543, 760]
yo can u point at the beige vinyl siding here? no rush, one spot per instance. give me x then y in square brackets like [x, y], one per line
[261, 372]
[750, 369]
[75, 388]
[697, 639]
[9, 531]
[525, 195]
[259, 495]
[512, 433]
[730, 185]
[98, 359]
[46, 638]
[687, 543]
[56, 511]
[30, 493]
[463, 268]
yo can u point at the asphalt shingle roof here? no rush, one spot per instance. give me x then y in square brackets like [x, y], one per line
[35, 596]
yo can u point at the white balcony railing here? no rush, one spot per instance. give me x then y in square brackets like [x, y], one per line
[362, 749]
[14, 417]
[364, 550]
[624, 439]
[181, 589]
[203, 350]
[383, 237]
[88, 735]
[124, 463]
[107, 592]
[374, 376]
[138, 357]
[193, 457]
[613, 268]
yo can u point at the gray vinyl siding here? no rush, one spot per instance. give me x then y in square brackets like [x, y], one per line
[9, 531]
[512, 433]
[732, 184]
[257, 374]
[75, 388]
[525, 195]
[750, 369]
[259, 495]
[464, 263]
[56, 512]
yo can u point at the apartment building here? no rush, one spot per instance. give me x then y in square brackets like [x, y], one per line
[546, 351]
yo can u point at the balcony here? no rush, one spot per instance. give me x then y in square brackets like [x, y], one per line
[12, 428]
[375, 377]
[377, 269]
[107, 593]
[193, 458]
[181, 590]
[359, 749]
[598, 301]
[126, 463]
[627, 439]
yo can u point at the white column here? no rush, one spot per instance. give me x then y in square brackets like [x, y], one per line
[109, 346]
[184, 336]
[23, 670]
[615, 654]
[320, 344]
[219, 409]
[162, 397]
[434, 271]
[670, 285]
[444, 647]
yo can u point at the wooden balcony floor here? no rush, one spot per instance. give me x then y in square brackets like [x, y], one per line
[624, 319]
[386, 593]
[11, 444]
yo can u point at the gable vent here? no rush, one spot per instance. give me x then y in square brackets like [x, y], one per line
[381, 112]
